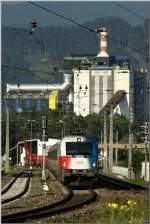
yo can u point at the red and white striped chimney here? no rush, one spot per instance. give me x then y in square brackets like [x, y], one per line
[103, 42]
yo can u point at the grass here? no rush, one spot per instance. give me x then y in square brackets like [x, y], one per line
[12, 170]
[139, 181]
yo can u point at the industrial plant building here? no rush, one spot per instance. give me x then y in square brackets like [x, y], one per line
[102, 81]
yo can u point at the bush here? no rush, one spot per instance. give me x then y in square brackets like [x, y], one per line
[138, 157]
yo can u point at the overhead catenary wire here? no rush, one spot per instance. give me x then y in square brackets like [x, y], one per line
[83, 26]
[128, 10]
[36, 41]
[21, 35]
[23, 69]
[62, 16]
[31, 71]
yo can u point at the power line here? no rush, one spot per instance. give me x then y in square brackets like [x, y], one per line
[33, 70]
[22, 36]
[26, 39]
[21, 69]
[9, 52]
[129, 10]
[132, 48]
[63, 17]
[84, 27]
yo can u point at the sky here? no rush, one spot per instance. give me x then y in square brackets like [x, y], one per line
[21, 13]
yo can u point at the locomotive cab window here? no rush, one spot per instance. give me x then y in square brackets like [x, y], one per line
[78, 148]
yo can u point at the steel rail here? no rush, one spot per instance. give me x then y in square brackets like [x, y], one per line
[69, 203]
[21, 193]
[8, 186]
[121, 183]
[22, 216]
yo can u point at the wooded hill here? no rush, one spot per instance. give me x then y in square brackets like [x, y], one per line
[48, 46]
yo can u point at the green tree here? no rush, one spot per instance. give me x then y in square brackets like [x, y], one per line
[138, 157]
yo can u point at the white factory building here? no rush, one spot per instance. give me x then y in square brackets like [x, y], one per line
[96, 83]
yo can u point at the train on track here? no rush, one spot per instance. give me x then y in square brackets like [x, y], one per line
[32, 150]
[74, 157]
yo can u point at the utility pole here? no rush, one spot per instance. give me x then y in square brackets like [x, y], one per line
[116, 152]
[63, 128]
[111, 140]
[101, 142]
[130, 134]
[146, 153]
[44, 128]
[31, 121]
[105, 141]
[17, 155]
[101, 150]
[145, 137]
[149, 96]
[7, 141]
[111, 127]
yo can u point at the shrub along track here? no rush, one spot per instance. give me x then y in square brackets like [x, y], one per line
[23, 174]
[71, 201]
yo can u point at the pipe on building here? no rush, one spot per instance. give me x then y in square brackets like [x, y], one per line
[13, 88]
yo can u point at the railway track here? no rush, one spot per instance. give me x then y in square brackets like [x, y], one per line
[8, 186]
[74, 199]
[116, 183]
[109, 182]
[6, 191]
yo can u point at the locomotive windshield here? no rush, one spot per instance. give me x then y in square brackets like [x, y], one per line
[78, 148]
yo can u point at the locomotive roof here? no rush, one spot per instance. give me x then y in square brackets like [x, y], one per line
[76, 137]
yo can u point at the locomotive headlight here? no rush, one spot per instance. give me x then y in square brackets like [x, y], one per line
[94, 163]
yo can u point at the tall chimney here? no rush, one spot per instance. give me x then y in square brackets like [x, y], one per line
[103, 42]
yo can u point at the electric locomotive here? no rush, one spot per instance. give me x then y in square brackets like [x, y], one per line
[73, 157]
